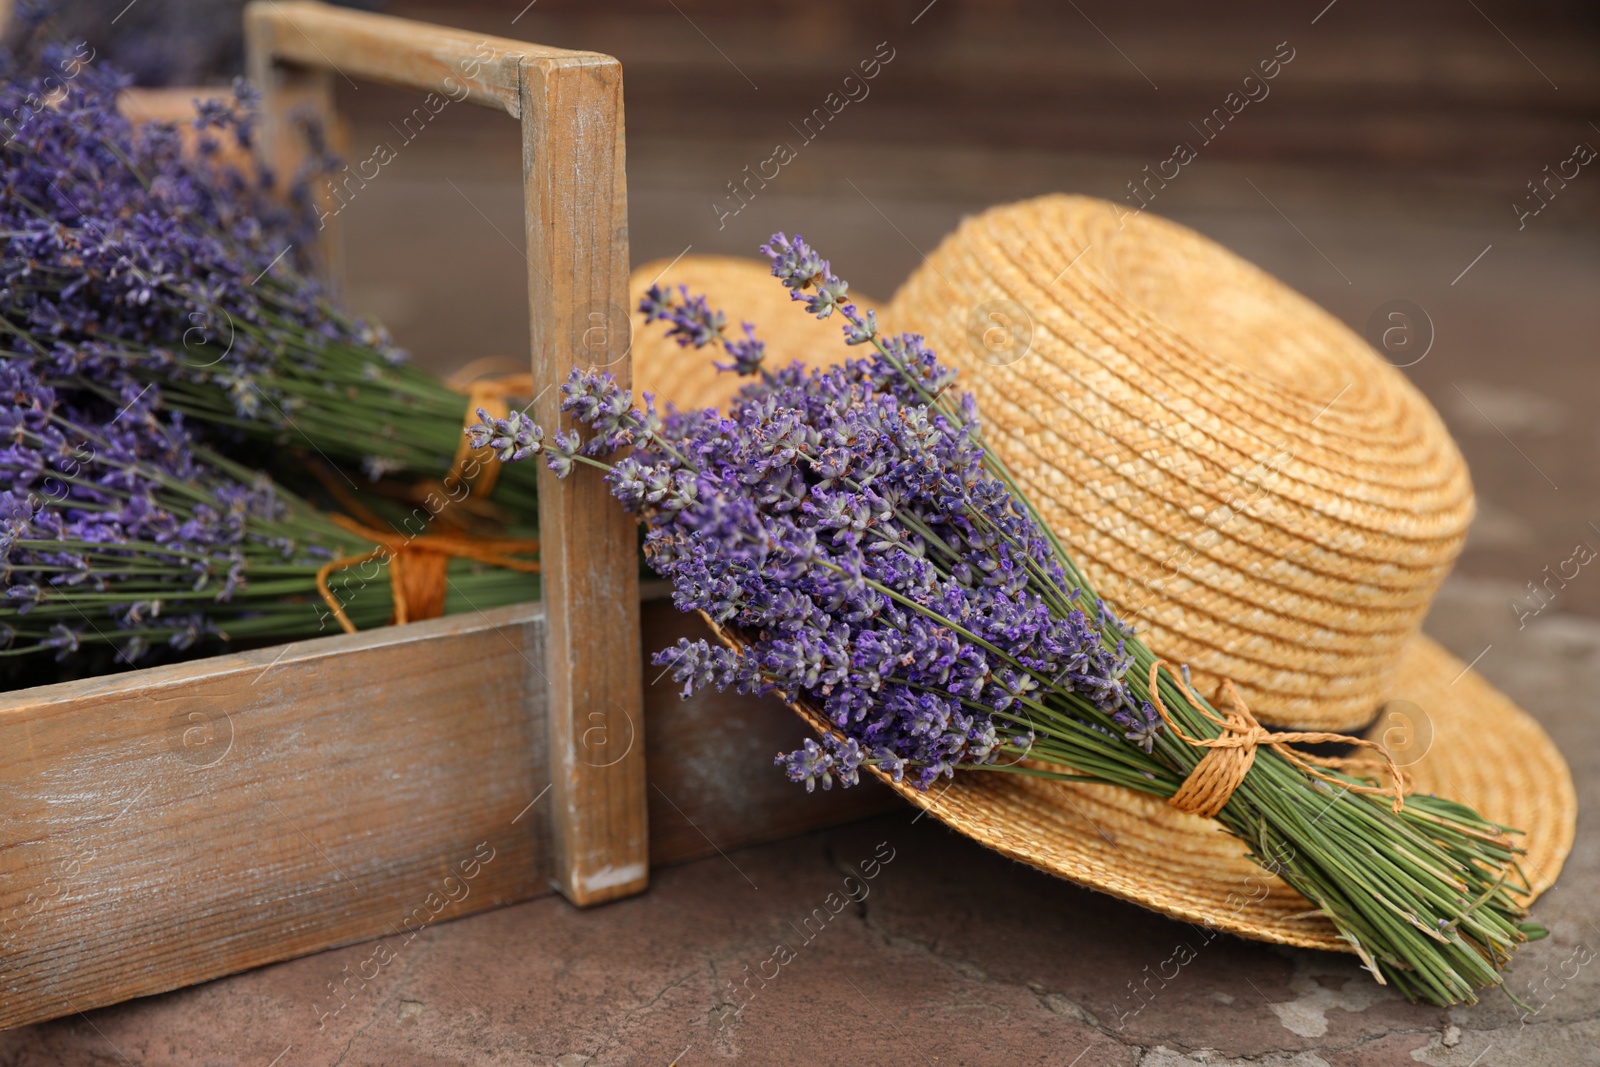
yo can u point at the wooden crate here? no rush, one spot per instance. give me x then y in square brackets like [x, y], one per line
[171, 825]
[185, 822]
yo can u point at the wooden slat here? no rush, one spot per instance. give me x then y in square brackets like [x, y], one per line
[455, 63]
[290, 97]
[172, 825]
[576, 209]
[186, 822]
[296, 49]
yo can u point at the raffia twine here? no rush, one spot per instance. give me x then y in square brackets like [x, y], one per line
[419, 565]
[1230, 755]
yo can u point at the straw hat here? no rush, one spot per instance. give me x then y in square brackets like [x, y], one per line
[1245, 479]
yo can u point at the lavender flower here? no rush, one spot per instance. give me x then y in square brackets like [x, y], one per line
[510, 438]
[123, 541]
[810, 765]
[108, 499]
[851, 535]
[693, 322]
[1143, 726]
[748, 353]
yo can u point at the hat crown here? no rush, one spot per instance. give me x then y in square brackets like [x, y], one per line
[1239, 474]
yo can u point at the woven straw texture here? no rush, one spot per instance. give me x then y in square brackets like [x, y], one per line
[1178, 410]
[747, 292]
[1237, 472]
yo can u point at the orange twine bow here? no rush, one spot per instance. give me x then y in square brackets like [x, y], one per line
[417, 567]
[1231, 755]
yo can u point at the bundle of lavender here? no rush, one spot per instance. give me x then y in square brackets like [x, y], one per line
[123, 542]
[123, 259]
[868, 559]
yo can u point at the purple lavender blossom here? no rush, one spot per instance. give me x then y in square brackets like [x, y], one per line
[126, 261]
[809, 764]
[115, 239]
[107, 516]
[154, 307]
[695, 325]
[693, 321]
[843, 527]
[513, 437]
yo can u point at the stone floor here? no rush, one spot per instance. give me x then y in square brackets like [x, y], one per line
[954, 955]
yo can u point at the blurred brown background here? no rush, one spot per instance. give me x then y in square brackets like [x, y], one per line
[1387, 155]
[1391, 154]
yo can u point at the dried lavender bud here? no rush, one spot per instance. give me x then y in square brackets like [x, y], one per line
[125, 261]
[563, 447]
[809, 765]
[747, 354]
[511, 438]
[693, 322]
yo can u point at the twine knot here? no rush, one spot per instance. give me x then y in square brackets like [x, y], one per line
[418, 566]
[1230, 755]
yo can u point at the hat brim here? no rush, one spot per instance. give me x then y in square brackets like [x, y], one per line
[1484, 750]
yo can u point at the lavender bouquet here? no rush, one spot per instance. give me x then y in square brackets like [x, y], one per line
[866, 558]
[123, 542]
[125, 260]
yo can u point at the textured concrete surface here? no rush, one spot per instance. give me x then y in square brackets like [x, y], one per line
[903, 943]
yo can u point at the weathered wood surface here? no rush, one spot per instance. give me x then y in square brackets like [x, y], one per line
[570, 108]
[173, 825]
[461, 64]
[185, 822]
[576, 209]
[293, 99]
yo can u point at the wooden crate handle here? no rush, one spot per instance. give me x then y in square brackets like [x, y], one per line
[576, 219]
